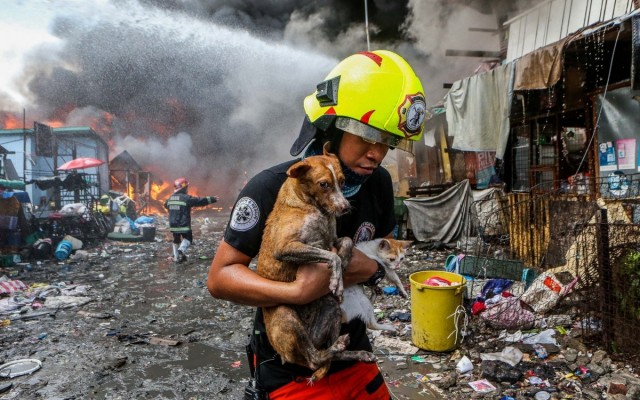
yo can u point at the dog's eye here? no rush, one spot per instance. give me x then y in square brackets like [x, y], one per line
[341, 183]
[324, 184]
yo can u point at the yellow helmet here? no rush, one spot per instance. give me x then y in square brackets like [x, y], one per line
[373, 94]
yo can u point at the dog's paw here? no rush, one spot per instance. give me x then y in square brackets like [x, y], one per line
[336, 286]
[368, 357]
[341, 343]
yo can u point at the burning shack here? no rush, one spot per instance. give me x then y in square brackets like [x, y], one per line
[128, 177]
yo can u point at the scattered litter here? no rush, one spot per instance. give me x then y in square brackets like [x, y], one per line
[400, 316]
[10, 286]
[59, 302]
[163, 342]
[510, 355]
[534, 380]
[482, 386]
[236, 364]
[544, 337]
[98, 315]
[510, 337]
[542, 395]
[541, 352]
[5, 387]
[394, 345]
[19, 367]
[547, 290]
[390, 290]
[464, 365]
[419, 377]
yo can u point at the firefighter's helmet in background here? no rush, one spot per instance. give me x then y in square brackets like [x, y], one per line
[372, 94]
[180, 184]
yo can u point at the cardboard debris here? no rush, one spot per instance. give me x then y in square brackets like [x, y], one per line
[394, 345]
[163, 342]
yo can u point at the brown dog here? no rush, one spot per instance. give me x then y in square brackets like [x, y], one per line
[301, 229]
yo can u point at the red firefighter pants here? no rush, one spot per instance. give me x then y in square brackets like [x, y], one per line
[362, 381]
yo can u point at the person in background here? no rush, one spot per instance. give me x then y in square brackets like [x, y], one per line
[179, 206]
[369, 103]
[107, 207]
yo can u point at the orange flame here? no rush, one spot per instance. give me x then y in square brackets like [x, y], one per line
[9, 121]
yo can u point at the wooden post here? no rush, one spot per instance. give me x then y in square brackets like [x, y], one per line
[446, 163]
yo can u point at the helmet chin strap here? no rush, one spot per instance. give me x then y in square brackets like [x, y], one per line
[352, 180]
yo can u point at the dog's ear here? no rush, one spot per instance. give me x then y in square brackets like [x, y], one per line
[298, 169]
[326, 149]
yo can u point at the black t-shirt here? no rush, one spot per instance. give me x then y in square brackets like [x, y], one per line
[371, 217]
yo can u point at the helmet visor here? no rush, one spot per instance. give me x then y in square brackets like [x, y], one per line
[373, 135]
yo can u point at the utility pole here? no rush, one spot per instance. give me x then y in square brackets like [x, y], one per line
[24, 144]
[366, 23]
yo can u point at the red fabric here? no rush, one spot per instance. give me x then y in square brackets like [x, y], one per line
[478, 307]
[348, 384]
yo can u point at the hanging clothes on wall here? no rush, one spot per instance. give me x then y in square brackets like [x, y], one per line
[478, 110]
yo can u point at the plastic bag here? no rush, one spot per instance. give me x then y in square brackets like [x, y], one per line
[436, 281]
[508, 313]
[143, 219]
[547, 290]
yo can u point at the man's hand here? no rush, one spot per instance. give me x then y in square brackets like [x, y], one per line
[312, 282]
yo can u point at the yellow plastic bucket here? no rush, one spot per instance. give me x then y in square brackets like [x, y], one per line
[436, 321]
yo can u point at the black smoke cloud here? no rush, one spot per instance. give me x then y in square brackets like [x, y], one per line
[213, 89]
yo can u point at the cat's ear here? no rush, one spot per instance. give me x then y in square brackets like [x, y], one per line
[384, 244]
[406, 243]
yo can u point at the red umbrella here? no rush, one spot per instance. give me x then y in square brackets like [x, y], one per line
[80, 163]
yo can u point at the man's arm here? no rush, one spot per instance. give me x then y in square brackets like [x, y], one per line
[231, 279]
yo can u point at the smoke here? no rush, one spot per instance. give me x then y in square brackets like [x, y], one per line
[213, 89]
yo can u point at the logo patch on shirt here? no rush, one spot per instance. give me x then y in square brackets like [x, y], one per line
[245, 215]
[365, 232]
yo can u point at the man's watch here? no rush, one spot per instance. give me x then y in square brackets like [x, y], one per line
[377, 276]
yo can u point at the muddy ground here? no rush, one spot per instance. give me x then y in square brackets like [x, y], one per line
[148, 329]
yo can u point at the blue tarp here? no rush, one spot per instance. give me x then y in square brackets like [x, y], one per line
[22, 197]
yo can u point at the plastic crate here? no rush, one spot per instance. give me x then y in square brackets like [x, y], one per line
[485, 267]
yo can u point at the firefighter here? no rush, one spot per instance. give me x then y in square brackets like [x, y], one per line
[369, 103]
[179, 206]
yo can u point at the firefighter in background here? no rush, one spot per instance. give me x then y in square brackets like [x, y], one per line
[179, 206]
[109, 209]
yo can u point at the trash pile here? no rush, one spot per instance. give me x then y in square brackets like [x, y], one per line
[526, 345]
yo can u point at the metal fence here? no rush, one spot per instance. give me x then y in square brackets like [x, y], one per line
[583, 248]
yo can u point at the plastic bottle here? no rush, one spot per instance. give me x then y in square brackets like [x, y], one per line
[63, 250]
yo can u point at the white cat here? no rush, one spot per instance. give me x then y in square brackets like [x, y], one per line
[355, 304]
